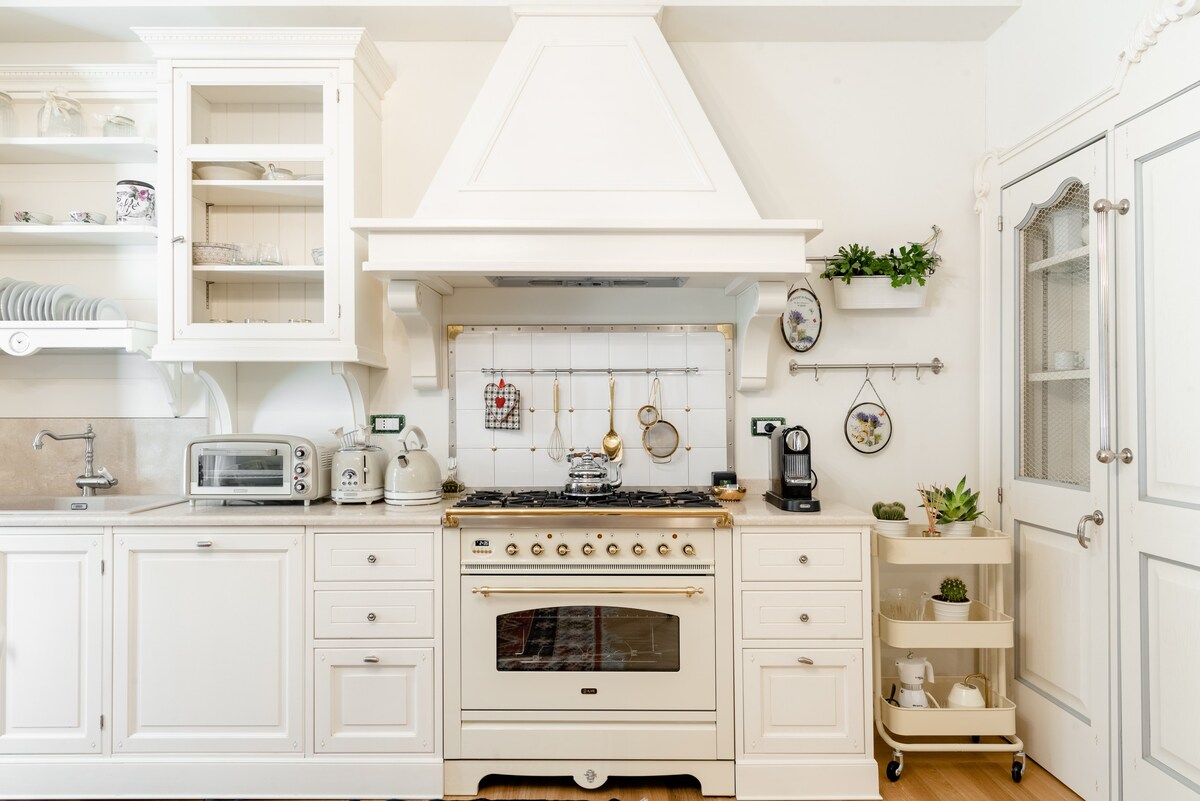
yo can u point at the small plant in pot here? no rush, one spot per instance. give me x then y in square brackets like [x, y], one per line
[864, 279]
[890, 518]
[957, 510]
[952, 603]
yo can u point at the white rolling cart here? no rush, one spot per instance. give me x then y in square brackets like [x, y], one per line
[987, 629]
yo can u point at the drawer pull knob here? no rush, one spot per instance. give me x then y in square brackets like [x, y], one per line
[804, 559]
[204, 544]
[804, 660]
[371, 659]
[371, 616]
[804, 617]
[371, 559]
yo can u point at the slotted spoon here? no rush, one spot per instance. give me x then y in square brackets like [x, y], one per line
[557, 449]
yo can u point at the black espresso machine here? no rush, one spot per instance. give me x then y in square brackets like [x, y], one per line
[791, 474]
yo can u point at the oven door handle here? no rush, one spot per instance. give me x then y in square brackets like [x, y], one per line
[688, 591]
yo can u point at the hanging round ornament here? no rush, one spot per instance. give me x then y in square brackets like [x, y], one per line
[800, 322]
[868, 424]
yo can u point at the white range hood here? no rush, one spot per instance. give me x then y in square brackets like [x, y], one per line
[587, 160]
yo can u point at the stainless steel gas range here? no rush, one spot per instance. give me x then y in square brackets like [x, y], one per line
[593, 638]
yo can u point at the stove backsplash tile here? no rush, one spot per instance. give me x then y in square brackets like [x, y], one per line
[694, 403]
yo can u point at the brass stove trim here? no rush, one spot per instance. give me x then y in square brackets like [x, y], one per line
[721, 517]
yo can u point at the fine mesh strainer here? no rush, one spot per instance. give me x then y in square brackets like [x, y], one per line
[660, 439]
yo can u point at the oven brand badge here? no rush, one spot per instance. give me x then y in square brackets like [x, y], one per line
[483, 543]
[587, 690]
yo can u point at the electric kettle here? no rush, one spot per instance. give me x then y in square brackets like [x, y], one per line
[413, 477]
[966, 695]
[914, 672]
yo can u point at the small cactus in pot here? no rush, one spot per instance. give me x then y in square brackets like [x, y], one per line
[952, 603]
[890, 518]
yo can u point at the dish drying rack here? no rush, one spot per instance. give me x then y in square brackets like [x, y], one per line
[987, 629]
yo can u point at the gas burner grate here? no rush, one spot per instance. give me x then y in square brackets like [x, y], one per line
[552, 499]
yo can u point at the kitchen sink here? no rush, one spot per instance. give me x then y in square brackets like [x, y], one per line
[51, 504]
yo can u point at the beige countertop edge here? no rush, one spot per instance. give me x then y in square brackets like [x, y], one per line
[752, 511]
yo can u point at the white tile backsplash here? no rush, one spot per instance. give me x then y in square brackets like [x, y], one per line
[693, 403]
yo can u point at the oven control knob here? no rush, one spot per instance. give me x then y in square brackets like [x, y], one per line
[536, 549]
[563, 549]
[300, 469]
[587, 549]
[689, 549]
[511, 549]
[300, 487]
[638, 549]
[301, 452]
[664, 549]
[613, 549]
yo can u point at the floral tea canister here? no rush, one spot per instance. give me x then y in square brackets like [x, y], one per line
[135, 203]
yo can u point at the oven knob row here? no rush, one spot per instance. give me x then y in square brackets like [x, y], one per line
[536, 549]
[587, 549]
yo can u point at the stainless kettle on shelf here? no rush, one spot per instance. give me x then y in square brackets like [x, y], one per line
[413, 477]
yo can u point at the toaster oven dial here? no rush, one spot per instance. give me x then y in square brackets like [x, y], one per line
[300, 487]
[689, 549]
[588, 549]
[664, 549]
[613, 549]
[301, 469]
[638, 549]
[301, 452]
[511, 549]
[563, 549]
[536, 549]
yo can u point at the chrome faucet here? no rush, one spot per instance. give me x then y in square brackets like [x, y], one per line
[89, 482]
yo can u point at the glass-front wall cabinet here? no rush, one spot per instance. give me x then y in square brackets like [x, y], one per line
[1054, 331]
[255, 149]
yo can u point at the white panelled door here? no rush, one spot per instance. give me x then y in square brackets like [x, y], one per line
[1050, 478]
[1158, 334]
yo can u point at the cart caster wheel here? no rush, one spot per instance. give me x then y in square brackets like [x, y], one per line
[893, 771]
[1018, 770]
[975, 738]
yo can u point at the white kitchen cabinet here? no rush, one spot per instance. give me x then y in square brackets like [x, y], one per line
[803, 637]
[297, 112]
[374, 700]
[209, 634]
[51, 674]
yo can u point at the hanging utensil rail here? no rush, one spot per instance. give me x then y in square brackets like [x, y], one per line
[598, 370]
[935, 367]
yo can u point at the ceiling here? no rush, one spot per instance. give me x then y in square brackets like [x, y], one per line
[491, 20]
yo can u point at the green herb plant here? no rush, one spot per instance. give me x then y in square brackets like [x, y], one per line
[915, 262]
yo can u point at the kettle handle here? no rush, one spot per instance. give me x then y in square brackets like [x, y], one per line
[422, 443]
[929, 672]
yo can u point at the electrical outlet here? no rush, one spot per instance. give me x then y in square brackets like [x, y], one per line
[387, 423]
[759, 425]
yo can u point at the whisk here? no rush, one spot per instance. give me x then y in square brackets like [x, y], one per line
[557, 449]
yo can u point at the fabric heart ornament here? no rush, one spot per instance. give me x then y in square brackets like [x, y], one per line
[501, 405]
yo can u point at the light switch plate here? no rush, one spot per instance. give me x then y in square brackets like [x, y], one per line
[387, 423]
[758, 425]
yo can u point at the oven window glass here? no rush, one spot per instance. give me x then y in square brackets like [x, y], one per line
[227, 469]
[587, 639]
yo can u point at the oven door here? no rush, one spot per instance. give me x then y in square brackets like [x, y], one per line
[230, 469]
[588, 642]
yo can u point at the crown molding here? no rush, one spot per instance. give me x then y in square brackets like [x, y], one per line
[16, 80]
[253, 43]
[1155, 22]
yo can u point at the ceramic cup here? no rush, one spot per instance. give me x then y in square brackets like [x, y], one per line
[1065, 359]
[90, 217]
[135, 203]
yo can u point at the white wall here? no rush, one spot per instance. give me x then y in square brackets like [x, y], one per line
[877, 140]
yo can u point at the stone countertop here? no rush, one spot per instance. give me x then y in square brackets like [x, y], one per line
[751, 511]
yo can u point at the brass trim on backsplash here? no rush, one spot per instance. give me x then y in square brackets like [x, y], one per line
[452, 332]
[726, 329]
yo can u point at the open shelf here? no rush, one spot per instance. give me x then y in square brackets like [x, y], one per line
[1063, 262]
[985, 546]
[26, 338]
[77, 150]
[68, 234]
[1059, 375]
[258, 273]
[259, 193]
[985, 628]
[999, 720]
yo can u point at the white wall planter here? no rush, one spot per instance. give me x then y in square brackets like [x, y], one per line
[877, 292]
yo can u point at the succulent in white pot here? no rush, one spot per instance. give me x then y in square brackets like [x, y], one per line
[957, 510]
[952, 603]
[890, 519]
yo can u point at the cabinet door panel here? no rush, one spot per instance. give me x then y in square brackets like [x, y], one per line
[208, 642]
[380, 706]
[803, 701]
[51, 618]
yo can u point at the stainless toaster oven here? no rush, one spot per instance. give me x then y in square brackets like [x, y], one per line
[261, 467]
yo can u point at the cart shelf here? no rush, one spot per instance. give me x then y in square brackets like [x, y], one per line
[999, 719]
[984, 628]
[985, 546]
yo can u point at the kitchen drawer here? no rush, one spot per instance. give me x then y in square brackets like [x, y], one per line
[790, 555]
[803, 701]
[373, 614]
[383, 556]
[374, 701]
[804, 614]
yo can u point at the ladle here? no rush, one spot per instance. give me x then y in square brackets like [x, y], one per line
[612, 440]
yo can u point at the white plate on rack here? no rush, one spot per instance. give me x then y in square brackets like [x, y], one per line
[5, 283]
[108, 309]
[62, 298]
[35, 302]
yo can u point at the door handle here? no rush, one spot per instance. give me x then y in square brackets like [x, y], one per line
[1126, 456]
[1096, 517]
[1102, 207]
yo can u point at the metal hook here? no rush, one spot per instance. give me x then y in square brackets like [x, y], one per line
[867, 368]
[816, 372]
[893, 371]
[918, 366]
